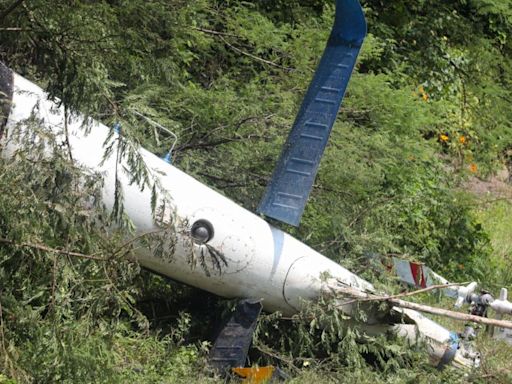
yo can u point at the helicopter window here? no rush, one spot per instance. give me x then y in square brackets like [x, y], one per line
[202, 231]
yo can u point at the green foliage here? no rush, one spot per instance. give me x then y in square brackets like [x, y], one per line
[322, 343]
[496, 219]
[227, 78]
[321, 334]
[68, 295]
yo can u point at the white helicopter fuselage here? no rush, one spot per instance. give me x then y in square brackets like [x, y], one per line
[261, 261]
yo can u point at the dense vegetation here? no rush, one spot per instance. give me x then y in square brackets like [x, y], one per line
[427, 108]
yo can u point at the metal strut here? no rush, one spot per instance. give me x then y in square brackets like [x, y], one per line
[295, 172]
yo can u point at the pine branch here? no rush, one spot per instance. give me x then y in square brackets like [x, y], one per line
[137, 238]
[257, 58]
[213, 32]
[9, 9]
[226, 140]
[44, 248]
[66, 134]
[238, 50]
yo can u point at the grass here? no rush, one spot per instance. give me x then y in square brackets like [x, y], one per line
[137, 358]
[496, 218]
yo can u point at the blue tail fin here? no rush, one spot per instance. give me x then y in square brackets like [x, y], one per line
[293, 177]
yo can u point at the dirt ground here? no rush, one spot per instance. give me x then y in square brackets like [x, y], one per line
[495, 187]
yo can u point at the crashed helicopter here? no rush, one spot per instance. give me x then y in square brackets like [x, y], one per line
[249, 258]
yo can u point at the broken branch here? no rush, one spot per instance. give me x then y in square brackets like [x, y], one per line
[362, 296]
[406, 294]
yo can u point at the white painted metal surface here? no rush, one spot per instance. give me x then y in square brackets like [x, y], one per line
[262, 261]
[259, 256]
[502, 305]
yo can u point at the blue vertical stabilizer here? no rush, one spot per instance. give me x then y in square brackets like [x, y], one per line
[293, 178]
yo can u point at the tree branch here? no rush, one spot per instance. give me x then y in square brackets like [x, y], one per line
[217, 33]
[451, 314]
[255, 57]
[15, 29]
[221, 141]
[407, 294]
[44, 248]
[137, 238]
[9, 9]
[221, 34]
[362, 296]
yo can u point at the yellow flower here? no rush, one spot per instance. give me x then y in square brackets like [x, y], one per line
[423, 93]
[473, 167]
[462, 139]
[444, 137]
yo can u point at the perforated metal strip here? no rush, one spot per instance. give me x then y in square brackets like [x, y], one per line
[295, 172]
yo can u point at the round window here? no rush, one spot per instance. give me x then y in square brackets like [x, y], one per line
[202, 231]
